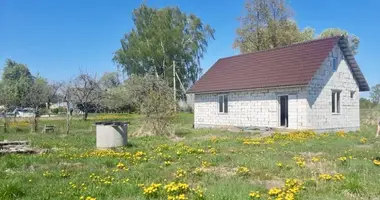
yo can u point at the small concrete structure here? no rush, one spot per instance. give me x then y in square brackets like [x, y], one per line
[111, 134]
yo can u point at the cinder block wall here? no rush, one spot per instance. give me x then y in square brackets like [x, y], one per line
[320, 96]
[310, 107]
[251, 108]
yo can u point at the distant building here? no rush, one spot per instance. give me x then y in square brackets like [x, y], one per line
[58, 105]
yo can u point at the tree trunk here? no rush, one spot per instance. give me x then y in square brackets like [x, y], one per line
[85, 115]
[5, 123]
[68, 118]
[35, 121]
[68, 122]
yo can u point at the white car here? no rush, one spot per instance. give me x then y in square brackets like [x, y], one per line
[24, 112]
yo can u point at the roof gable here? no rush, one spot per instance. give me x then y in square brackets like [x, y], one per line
[286, 66]
[357, 73]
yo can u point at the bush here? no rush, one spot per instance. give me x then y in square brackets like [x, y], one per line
[54, 111]
[154, 100]
[58, 110]
[43, 111]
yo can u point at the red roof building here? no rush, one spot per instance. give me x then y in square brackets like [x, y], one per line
[309, 85]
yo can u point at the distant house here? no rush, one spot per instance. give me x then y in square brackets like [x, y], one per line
[58, 105]
[63, 105]
[310, 85]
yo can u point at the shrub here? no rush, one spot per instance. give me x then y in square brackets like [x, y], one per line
[54, 111]
[154, 100]
[58, 110]
[43, 111]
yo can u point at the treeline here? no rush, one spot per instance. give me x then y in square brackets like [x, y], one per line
[367, 104]
[149, 95]
[86, 93]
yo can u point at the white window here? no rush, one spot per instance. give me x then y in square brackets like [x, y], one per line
[335, 64]
[335, 102]
[223, 103]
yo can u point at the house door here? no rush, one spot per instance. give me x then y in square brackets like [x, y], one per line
[284, 111]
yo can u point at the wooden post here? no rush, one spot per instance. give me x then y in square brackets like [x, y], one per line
[68, 111]
[68, 116]
[174, 89]
[35, 120]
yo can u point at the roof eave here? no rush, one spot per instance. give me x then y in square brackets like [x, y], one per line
[362, 82]
[245, 89]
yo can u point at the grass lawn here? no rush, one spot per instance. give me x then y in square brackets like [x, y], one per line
[199, 164]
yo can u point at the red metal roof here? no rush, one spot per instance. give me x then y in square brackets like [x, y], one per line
[286, 66]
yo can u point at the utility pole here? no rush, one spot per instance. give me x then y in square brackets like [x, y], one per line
[174, 90]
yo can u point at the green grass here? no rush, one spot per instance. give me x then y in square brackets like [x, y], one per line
[209, 158]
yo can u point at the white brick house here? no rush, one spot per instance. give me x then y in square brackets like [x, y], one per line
[312, 85]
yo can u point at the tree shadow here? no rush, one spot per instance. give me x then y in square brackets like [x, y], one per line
[182, 132]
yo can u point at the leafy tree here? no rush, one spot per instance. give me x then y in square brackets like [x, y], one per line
[116, 99]
[353, 40]
[366, 103]
[267, 25]
[154, 100]
[110, 80]
[20, 89]
[308, 33]
[37, 96]
[16, 80]
[375, 94]
[4, 101]
[161, 36]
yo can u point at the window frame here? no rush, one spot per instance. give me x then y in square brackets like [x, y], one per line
[336, 102]
[223, 103]
[352, 94]
[334, 64]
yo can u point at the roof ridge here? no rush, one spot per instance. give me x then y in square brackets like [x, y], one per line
[283, 47]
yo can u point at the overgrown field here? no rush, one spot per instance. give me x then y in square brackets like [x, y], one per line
[197, 164]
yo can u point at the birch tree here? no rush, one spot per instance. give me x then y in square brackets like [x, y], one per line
[267, 24]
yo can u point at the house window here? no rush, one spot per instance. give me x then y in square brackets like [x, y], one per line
[336, 102]
[335, 64]
[352, 94]
[223, 103]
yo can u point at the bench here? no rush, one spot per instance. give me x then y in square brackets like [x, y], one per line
[49, 128]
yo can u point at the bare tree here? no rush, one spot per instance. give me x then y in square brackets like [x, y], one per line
[66, 92]
[53, 92]
[86, 92]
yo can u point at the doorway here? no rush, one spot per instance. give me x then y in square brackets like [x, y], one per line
[284, 122]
